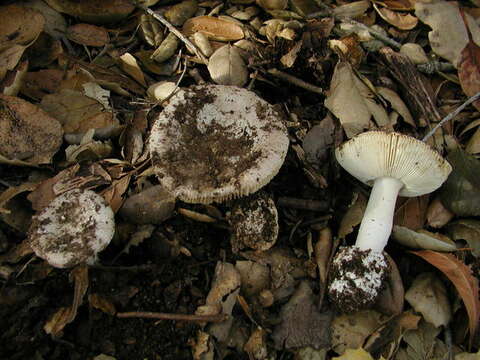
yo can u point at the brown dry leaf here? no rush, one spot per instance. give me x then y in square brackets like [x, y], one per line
[255, 277]
[77, 112]
[438, 215]
[302, 323]
[397, 104]
[463, 280]
[179, 13]
[391, 298]
[256, 346]
[405, 5]
[150, 206]
[13, 191]
[351, 330]
[19, 25]
[227, 67]
[411, 213]
[44, 51]
[400, 20]
[353, 216]
[65, 315]
[88, 149]
[473, 145]
[114, 194]
[98, 12]
[352, 10]
[27, 133]
[352, 102]
[101, 303]
[469, 66]
[467, 230]
[55, 23]
[448, 36]
[44, 193]
[9, 59]
[350, 48]
[214, 28]
[40, 83]
[354, 354]
[428, 296]
[14, 80]
[87, 34]
[129, 64]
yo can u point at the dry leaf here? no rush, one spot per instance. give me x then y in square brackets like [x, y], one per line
[400, 20]
[129, 64]
[353, 216]
[114, 194]
[255, 277]
[167, 48]
[438, 215]
[463, 280]
[150, 206]
[14, 80]
[77, 112]
[214, 28]
[351, 101]
[469, 66]
[302, 323]
[9, 59]
[352, 10]
[98, 12]
[44, 51]
[351, 330]
[179, 13]
[101, 303]
[55, 23]
[354, 354]
[411, 213]
[227, 67]
[397, 104]
[448, 36]
[428, 296]
[40, 83]
[27, 133]
[65, 315]
[422, 240]
[87, 34]
[461, 192]
[19, 25]
[467, 230]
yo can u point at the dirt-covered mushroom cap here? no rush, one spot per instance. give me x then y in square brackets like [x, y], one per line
[357, 278]
[254, 223]
[376, 154]
[212, 143]
[72, 229]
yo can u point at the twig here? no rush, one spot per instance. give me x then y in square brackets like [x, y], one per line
[174, 30]
[376, 34]
[452, 115]
[176, 317]
[434, 66]
[295, 81]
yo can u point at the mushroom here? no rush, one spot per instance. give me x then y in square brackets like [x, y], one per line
[394, 164]
[254, 223]
[212, 143]
[72, 229]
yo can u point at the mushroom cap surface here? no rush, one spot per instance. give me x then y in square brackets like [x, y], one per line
[375, 154]
[72, 229]
[357, 278]
[254, 223]
[212, 143]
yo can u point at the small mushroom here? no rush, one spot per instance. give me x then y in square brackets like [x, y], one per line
[72, 229]
[213, 143]
[394, 164]
[254, 223]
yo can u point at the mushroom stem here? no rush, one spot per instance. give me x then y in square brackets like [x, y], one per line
[377, 222]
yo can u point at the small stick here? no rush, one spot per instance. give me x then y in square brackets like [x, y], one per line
[295, 81]
[174, 30]
[169, 316]
[452, 115]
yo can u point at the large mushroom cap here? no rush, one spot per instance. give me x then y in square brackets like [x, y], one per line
[375, 154]
[72, 229]
[214, 143]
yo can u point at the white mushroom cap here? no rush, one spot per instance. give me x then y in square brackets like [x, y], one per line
[72, 229]
[214, 143]
[375, 154]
